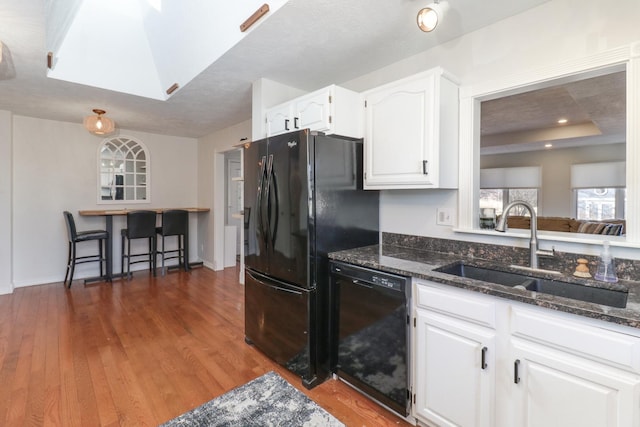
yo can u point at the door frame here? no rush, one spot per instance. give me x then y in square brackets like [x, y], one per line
[219, 199]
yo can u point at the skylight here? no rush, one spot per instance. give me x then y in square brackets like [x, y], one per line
[142, 47]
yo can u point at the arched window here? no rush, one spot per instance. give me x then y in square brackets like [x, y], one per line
[123, 171]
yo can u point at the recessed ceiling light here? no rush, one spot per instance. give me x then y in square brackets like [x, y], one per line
[548, 145]
[562, 121]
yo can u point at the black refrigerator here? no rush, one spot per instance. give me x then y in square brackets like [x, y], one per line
[303, 199]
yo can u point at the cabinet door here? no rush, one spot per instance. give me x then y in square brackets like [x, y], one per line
[553, 388]
[399, 135]
[279, 119]
[313, 111]
[455, 371]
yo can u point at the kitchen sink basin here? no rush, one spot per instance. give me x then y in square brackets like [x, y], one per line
[485, 274]
[603, 296]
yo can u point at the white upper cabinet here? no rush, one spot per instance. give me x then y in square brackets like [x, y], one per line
[279, 119]
[332, 110]
[411, 133]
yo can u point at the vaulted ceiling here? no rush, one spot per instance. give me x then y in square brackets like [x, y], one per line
[306, 44]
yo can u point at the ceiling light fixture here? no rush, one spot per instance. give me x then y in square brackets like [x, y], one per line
[429, 17]
[562, 121]
[548, 145]
[99, 125]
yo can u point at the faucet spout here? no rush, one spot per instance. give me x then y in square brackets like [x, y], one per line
[533, 241]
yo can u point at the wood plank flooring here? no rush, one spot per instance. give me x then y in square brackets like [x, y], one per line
[138, 353]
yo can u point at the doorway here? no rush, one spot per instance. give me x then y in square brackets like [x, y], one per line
[228, 189]
[233, 198]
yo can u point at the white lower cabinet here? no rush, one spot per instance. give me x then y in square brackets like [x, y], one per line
[454, 358]
[555, 389]
[567, 371]
[543, 368]
[457, 359]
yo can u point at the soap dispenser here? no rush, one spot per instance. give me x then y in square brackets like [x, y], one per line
[606, 271]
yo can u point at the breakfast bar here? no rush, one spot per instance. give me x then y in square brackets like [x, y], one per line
[110, 213]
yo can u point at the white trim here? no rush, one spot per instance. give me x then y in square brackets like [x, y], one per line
[601, 63]
[554, 236]
[632, 213]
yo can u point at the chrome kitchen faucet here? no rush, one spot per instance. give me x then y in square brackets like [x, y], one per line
[533, 242]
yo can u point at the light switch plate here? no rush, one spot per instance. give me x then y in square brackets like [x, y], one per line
[444, 216]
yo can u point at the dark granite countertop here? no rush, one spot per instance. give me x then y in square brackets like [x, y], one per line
[421, 264]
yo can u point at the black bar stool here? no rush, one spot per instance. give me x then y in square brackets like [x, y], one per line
[75, 237]
[175, 222]
[140, 225]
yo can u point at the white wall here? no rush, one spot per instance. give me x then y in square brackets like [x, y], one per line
[211, 188]
[6, 170]
[54, 169]
[554, 32]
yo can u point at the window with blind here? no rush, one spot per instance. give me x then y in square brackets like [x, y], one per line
[599, 190]
[501, 186]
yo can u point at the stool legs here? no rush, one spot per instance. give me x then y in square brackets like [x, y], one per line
[71, 264]
[101, 254]
[151, 256]
[72, 257]
[180, 253]
[122, 258]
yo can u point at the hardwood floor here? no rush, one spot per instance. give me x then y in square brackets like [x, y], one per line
[138, 353]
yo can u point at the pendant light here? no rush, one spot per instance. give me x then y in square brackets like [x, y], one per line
[430, 16]
[99, 125]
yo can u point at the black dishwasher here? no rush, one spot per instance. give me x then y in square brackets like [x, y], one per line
[370, 332]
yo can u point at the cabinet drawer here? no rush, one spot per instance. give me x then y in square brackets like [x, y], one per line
[578, 337]
[459, 303]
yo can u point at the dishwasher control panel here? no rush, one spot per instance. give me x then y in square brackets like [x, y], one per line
[387, 282]
[370, 276]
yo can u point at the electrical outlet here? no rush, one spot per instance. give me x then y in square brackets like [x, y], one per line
[444, 216]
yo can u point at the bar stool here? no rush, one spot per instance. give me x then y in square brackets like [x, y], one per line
[140, 225]
[175, 222]
[75, 237]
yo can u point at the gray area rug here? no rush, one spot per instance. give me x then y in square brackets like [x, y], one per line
[266, 401]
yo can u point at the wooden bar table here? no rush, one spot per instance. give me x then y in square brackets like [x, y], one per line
[110, 213]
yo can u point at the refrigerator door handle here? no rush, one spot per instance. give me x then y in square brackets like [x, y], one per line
[274, 287]
[259, 198]
[267, 197]
[276, 198]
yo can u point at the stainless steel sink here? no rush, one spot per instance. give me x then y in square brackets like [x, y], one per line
[604, 296]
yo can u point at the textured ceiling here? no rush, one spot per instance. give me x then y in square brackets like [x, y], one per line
[306, 44]
[595, 110]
